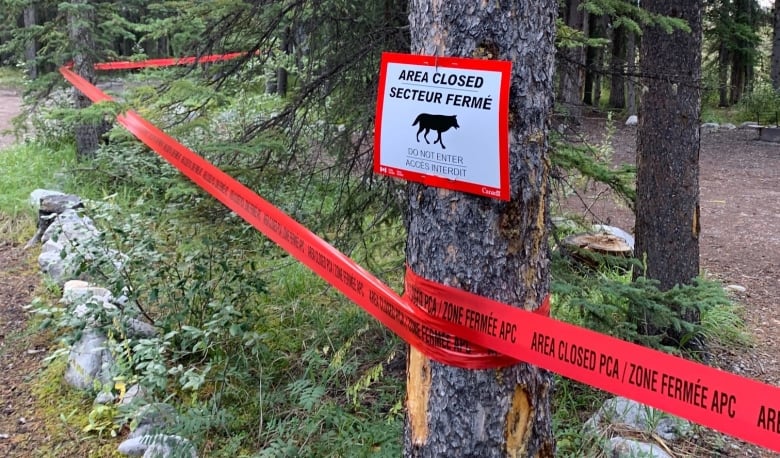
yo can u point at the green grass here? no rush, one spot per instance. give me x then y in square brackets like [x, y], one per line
[11, 78]
[25, 167]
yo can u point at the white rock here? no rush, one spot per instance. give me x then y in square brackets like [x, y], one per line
[632, 120]
[748, 125]
[735, 288]
[710, 126]
[728, 126]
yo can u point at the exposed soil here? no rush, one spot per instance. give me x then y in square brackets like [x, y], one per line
[10, 104]
[740, 244]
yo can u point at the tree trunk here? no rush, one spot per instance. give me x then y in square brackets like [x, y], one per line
[281, 72]
[593, 61]
[31, 47]
[572, 63]
[81, 22]
[723, 75]
[737, 76]
[488, 247]
[590, 62]
[776, 48]
[668, 143]
[617, 95]
[631, 74]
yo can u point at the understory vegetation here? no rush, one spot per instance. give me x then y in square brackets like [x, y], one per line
[260, 357]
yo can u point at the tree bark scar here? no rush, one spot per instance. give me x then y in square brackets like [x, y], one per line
[696, 229]
[518, 420]
[418, 388]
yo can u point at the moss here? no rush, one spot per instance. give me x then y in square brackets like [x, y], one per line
[64, 413]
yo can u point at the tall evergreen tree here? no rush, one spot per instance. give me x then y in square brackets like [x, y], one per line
[491, 248]
[668, 144]
[571, 61]
[775, 70]
[617, 69]
[81, 23]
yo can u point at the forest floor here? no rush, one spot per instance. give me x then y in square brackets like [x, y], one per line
[740, 244]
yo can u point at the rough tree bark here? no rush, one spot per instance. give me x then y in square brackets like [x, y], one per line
[668, 143]
[723, 75]
[776, 47]
[593, 60]
[30, 18]
[491, 248]
[631, 108]
[617, 69]
[81, 23]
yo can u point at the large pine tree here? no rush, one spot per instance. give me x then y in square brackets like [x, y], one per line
[668, 144]
[491, 248]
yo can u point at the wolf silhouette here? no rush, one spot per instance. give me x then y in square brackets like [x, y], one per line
[439, 123]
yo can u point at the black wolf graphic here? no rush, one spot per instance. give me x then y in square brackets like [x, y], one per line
[439, 123]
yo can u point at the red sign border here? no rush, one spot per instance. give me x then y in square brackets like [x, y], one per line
[502, 66]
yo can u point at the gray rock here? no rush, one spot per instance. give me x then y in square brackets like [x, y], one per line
[89, 361]
[38, 194]
[639, 417]
[140, 329]
[632, 120]
[620, 447]
[157, 414]
[728, 126]
[104, 398]
[71, 227]
[49, 207]
[710, 126]
[79, 291]
[135, 446]
[134, 395]
[51, 262]
[164, 446]
[143, 430]
[158, 446]
[748, 125]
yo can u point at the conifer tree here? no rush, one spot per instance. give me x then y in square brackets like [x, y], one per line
[490, 248]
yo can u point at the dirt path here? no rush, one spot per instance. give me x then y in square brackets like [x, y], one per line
[20, 357]
[10, 106]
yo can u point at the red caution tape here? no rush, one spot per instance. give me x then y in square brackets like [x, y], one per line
[465, 330]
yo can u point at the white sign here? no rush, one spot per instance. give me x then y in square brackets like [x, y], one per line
[444, 122]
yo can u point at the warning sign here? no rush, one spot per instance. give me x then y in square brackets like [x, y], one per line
[444, 122]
